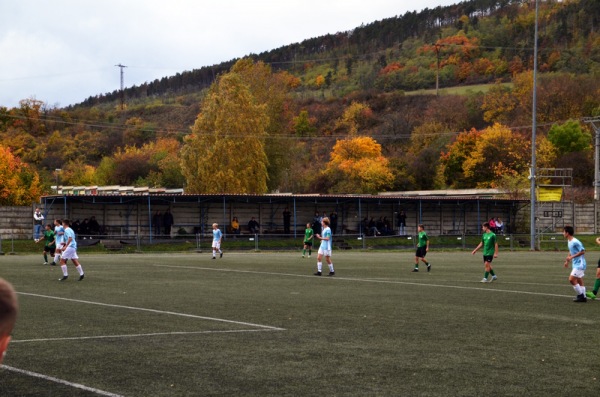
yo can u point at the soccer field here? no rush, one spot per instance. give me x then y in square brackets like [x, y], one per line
[261, 324]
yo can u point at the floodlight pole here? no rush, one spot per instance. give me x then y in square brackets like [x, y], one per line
[595, 122]
[533, 131]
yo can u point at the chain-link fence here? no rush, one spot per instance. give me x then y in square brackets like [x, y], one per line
[10, 244]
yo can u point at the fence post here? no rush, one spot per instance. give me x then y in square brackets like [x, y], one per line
[12, 242]
[1, 252]
[256, 241]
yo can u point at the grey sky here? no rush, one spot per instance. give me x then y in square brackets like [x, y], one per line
[63, 51]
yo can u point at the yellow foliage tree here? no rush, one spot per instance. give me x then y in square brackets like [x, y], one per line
[226, 151]
[357, 166]
[19, 185]
[354, 117]
[493, 157]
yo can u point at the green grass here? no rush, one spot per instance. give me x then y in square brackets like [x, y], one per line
[261, 324]
[458, 90]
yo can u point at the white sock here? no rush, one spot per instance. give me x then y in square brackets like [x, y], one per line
[79, 270]
[319, 266]
[583, 290]
[56, 258]
[214, 254]
[331, 268]
[64, 270]
[577, 289]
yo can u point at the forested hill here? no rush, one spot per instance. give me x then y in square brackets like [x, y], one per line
[499, 32]
[342, 113]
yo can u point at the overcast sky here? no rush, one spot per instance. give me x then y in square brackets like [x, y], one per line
[64, 51]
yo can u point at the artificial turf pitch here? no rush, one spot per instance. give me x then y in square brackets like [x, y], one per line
[261, 324]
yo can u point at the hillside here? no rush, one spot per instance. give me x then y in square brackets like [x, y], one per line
[374, 67]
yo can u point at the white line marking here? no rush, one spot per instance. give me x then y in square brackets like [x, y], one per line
[63, 382]
[141, 335]
[370, 280]
[155, 311]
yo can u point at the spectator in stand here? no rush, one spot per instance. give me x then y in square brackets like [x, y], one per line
[235, 225]
[333, 220]
[499, 226]
[76, 226]
[94, 226]
[253, 226]
[372, 228]
[316, 224]
[492, 224]
[401, 223]
[157, 223]
[287, 216]
[168, 222]
[387, 228]
[38, 224]
[84, 228]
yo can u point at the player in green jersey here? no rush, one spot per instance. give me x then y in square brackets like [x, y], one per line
[308, 240]
[490, 251]
[422, 248]
[49, 243]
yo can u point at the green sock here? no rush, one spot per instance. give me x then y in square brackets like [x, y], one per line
[309, 251]
[45, 258]
[416, 265]
[492, 272]
[596, 286]
[303, 252]
[486, 274]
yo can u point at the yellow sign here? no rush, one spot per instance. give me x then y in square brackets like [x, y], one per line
[549, 193]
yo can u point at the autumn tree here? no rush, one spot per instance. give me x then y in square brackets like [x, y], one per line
[357, 166]
[478, 159]
[569, 137]
[226, 151]
[304, 125]
[19, 185]
[271, 90]
[355, 118]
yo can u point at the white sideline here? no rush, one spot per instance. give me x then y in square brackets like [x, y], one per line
[156, 311]
[61, 381]
[140, 335]
[373, 280]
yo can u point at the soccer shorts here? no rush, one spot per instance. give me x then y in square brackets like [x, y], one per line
[309, 244]
[421, 252]
[216, 245]
[577, 273]
[488, 258]
[324, 252]
[69, 253]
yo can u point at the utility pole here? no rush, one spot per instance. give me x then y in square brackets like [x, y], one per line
[122, 92]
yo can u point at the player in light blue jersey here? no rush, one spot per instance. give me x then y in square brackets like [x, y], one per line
[59, 233]
[578, 264]
[217, 239]
[326, 238]
[70, 252]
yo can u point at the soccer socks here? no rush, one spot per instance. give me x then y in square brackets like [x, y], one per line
[64, 270]
[45, 258]
[56, 258]
[486, 274]
[492, 272]
[303, 252]
[596, 286]
[80, 270]
[331, 268]
[319, 266]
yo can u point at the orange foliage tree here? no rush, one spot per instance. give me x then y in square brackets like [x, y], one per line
[357, 166]
[19, 185]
